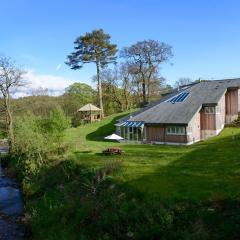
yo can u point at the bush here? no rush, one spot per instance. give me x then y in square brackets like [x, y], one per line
[29, 146]
[54, 126]
[90, 203]
[235, 123]
[36, 139]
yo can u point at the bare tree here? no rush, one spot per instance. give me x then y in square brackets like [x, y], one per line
[11, 78]
[183, 81]
[111, 90]
[126, 83]
[144, 58]
[40, 91]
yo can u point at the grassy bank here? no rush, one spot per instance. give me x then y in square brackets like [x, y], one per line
[206, 170]
[150, 192]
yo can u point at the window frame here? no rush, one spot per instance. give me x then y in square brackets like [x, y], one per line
[176, 130]
[208, 110]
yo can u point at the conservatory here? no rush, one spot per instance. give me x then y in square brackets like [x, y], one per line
[131, 130]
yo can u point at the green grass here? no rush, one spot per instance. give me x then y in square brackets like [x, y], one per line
[160, 192]
[206, 170]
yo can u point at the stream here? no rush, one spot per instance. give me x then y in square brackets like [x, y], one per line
[11, 207]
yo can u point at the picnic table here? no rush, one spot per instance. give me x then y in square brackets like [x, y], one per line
[113, 150]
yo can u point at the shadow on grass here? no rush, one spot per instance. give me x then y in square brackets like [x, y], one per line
[205, 183]
[211, 170]
[77, 152]
[104, 130]
[114, 209]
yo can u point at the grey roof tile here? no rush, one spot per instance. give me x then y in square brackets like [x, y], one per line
[205, 92]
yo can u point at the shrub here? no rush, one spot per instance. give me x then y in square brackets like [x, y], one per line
[235, 123]
[36, 139]
[29, 144]
[54, 126]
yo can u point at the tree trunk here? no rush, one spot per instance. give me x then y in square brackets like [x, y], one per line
[99, 90]
[143, 85]
[144, 92]
[9, 122]
[148, 91]
[149, 83]
[126, 99]
[139, 94]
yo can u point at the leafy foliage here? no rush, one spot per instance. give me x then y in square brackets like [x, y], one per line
[150, 192]
[30, 145]
[93, 47]
[54, 126]
[83, 92]
[37, 105]
[36, 139]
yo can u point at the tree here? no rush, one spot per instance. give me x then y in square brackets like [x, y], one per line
[38, 139]
[126, 83]
[82, 91]
[54, 126]
[93, 47]
[40, 91]
[75, 96]
[11, 77]
[144, 59]
[112, 94]
[183, 81]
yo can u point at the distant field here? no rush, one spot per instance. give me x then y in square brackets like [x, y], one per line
[204, 171]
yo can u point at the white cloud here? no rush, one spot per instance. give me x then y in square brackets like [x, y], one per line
[55, 84]
[47, 81]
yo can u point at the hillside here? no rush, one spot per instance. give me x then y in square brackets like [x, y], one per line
[150, 192]
[204, 170]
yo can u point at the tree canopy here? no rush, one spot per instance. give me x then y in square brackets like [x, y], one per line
[144, 58]
[83, 91]
[11, 78]
[93, 47]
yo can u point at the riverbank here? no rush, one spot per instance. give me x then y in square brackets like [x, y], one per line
[11, 207]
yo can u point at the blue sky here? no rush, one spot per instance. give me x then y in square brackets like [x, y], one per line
[205, 35]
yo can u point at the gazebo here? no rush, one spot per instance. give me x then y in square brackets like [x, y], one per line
[90, 113]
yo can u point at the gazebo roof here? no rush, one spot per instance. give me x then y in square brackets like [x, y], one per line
[88, 107]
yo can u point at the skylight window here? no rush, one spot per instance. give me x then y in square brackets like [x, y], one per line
[181, 97]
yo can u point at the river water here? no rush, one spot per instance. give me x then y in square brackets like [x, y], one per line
[11, 207]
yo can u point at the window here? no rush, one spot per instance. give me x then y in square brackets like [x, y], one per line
[126, 133]
[178, 98]
[123, 132]
[209, 110]
[176, 130]
[131, 133]
[135, 134]
[139, 132]
[130, 129]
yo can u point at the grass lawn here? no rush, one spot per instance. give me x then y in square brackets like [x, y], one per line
[208, 170]
[162, 192]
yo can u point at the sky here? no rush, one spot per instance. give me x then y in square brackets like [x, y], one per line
[39, 34]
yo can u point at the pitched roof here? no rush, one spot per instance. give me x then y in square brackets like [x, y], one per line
[88, 107]
[205, 92]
